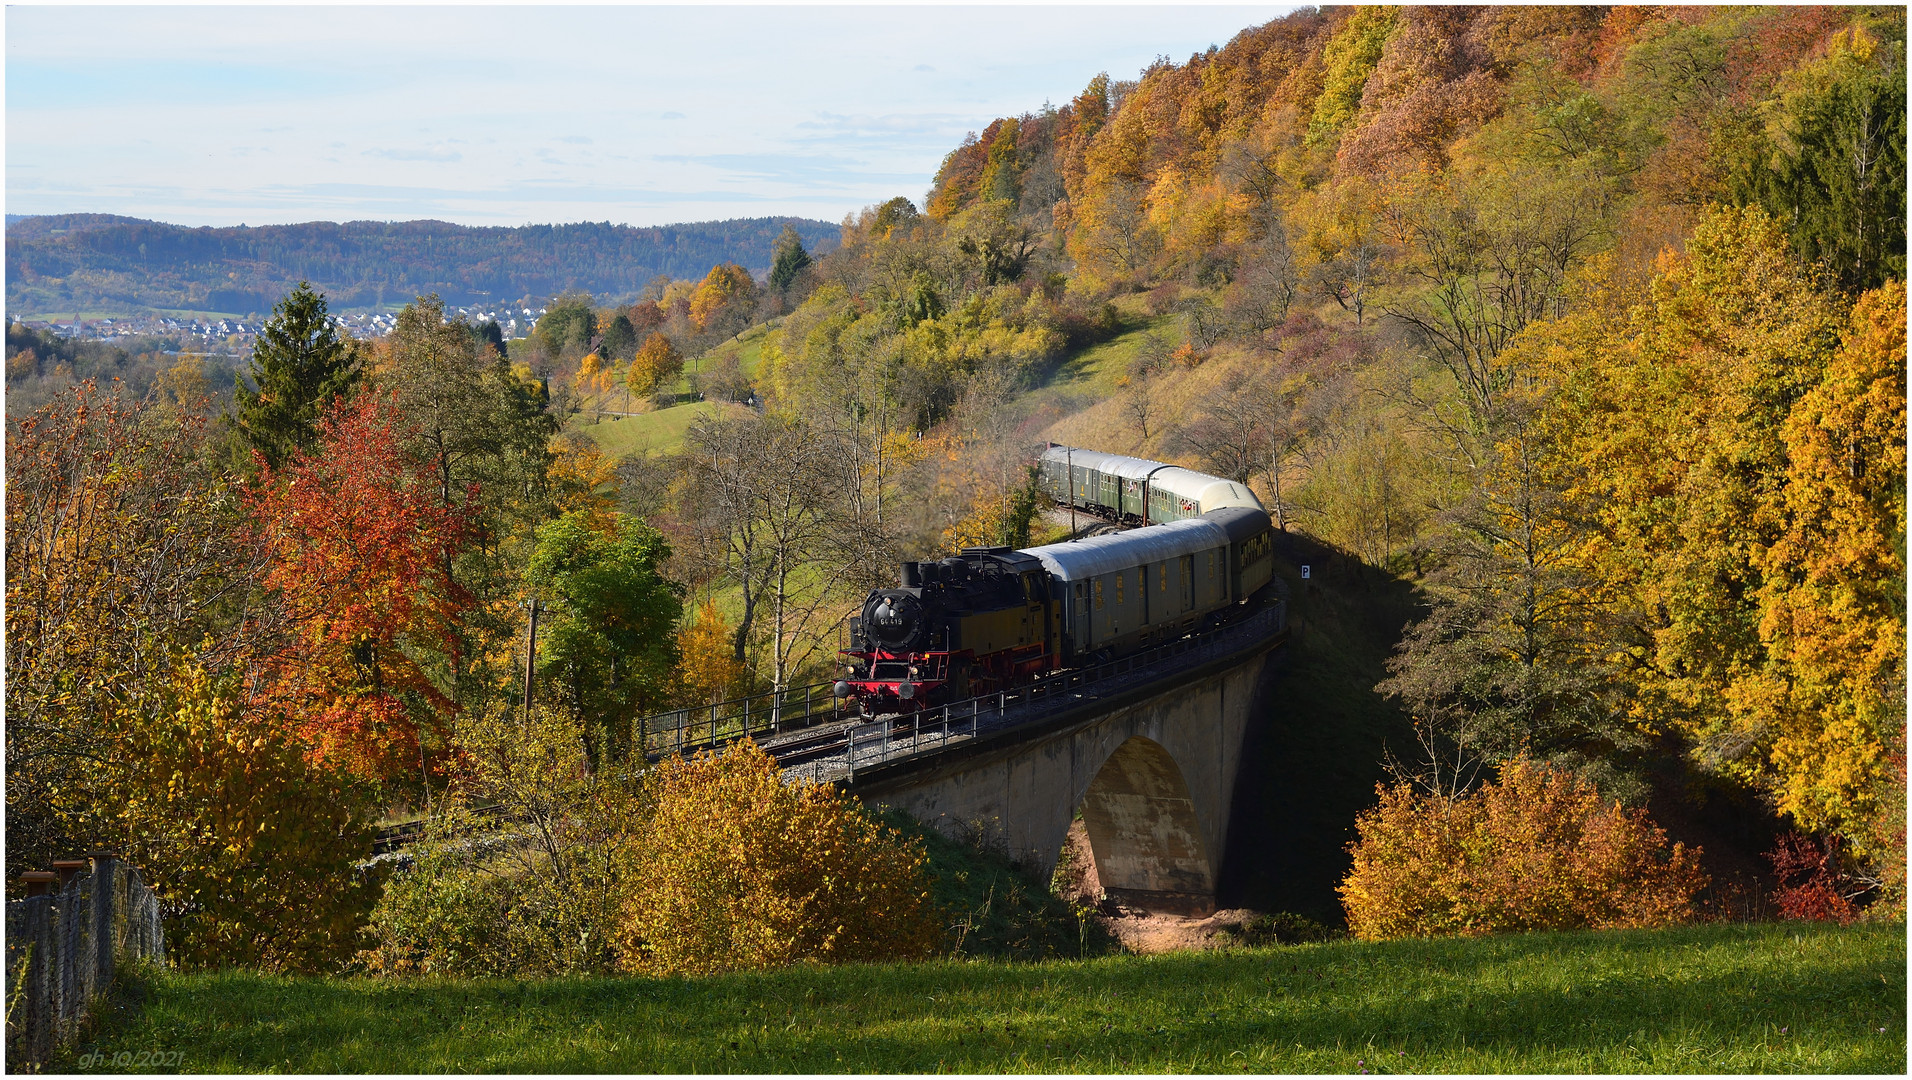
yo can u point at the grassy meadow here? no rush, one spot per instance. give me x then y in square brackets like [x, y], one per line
[658, 432]
[1711, 998]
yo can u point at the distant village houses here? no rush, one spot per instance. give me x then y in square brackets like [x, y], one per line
[236, 335]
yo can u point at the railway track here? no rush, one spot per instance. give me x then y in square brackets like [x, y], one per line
[836, 749]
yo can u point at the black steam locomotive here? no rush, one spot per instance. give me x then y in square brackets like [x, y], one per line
[994, 618]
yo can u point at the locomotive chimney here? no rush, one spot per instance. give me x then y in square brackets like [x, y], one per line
[912, 575]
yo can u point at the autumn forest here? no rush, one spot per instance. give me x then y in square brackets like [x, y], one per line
[1584, 327]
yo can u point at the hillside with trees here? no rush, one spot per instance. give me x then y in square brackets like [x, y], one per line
[1587, 321]
[99, 262]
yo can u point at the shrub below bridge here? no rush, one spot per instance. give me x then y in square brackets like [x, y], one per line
[741, 870]
[699, 866]
[1537, 850]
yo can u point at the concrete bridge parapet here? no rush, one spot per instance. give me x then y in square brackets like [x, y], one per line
[1152, 771]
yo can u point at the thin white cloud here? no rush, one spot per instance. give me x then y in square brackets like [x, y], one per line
[379, 111]
[414, 155]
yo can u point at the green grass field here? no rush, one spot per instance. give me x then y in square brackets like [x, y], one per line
[1716, 998]
[747, 347]
[659, 432]
[1095, 369]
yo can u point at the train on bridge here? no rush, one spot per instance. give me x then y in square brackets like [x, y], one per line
[993, 618]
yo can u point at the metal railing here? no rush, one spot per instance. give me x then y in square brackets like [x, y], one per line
[806, 747]
[702, 727]
[841, 752]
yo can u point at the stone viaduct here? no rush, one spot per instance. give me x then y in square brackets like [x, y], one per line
[1152, 769]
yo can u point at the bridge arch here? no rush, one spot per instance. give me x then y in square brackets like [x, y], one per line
[1150, 768]
[1144, 833]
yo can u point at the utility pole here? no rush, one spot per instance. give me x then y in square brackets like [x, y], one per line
[1070, 455]
[531, 657]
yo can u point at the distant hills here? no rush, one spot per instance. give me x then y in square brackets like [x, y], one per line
[118, 265]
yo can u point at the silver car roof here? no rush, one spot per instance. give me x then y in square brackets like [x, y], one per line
[1075, 560]
[1132, 468]
[1211, 491]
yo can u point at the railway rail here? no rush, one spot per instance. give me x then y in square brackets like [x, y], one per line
[850, 746]
[810, 740]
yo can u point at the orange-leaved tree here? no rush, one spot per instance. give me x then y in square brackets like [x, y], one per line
[1539, 849]
[657, 362]
[744, 871]
[361, 554]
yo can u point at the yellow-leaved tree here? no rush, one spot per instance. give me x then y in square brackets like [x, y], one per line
[230, 822]
[656, 363]
[744, 871]
[582, 479]
[1832, 598]
[727, 286]
[1738, 438]
[708, 671]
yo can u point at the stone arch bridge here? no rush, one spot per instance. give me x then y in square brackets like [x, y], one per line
[1152, 768]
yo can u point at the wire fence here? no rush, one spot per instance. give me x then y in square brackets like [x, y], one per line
[64, 948]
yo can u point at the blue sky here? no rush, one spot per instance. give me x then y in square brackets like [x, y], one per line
[493, 115]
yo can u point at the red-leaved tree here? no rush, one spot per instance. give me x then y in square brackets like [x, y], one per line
[1811, 884]
[361, 555]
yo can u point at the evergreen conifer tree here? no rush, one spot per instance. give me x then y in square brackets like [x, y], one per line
[620, 339]
[491, 336]
[790, 259]
[299, 365]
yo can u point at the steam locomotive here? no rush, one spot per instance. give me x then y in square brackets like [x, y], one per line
[992, 618]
